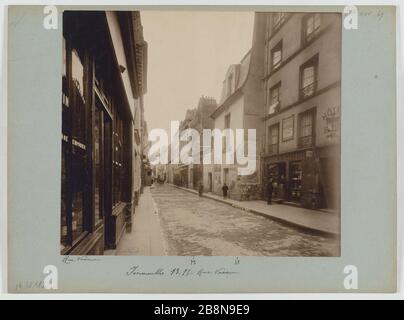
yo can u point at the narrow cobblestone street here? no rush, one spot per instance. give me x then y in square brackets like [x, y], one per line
[201, 226]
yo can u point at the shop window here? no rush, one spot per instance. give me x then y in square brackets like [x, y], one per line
[73, 149]
[274, 99]
[295, 181]
[311, 26]
[308, 77]
[78, 146]
[276, 56]
[276, 173]
[274, 139]
[306, 128]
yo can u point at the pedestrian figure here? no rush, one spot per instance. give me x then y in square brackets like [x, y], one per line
[200, 189]
[270, 190]
[225, 189]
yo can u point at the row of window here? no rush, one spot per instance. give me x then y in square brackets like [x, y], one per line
[311, 24]
[308, 71]
[308, 78]
[305, 127]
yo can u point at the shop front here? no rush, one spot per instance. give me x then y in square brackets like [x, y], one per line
[308, 178]
[96, 190]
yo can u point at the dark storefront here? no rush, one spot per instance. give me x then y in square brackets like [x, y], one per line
[309, 177]
[96, 138]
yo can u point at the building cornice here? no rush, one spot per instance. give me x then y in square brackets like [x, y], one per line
[229, 100]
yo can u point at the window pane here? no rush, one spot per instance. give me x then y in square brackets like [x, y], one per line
[310, 25]
[308, 76]
[274, 135]
[287, 128]
[275, 95]
[276, 57]
[307, 125]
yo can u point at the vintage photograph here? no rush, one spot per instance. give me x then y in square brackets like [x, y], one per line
[201, 133]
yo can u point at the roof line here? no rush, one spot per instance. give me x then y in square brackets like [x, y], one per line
[220, 107]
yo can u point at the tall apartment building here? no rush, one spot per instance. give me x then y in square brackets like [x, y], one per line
[301, 155]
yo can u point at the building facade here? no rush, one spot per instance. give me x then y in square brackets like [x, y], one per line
[241, 107]
[301, 155]
[192, 175]
[104, 79]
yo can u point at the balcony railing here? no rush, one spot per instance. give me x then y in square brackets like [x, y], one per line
[274, 108]
[306, 141]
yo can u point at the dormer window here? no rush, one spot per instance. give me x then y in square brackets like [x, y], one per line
[230, 84]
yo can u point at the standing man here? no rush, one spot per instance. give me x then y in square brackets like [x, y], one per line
[225, 189]
[270, 190]
[200, 189]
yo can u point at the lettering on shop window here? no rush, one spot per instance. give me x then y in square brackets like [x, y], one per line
[78, 144]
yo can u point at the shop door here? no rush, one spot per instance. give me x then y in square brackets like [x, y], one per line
[276, 173]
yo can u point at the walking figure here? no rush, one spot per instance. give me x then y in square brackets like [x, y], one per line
[200, 189]
[225, 189]
[270, 190]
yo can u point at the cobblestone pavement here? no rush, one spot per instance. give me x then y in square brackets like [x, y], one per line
[196, 226]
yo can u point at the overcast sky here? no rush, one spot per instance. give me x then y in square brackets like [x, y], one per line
[188, 56]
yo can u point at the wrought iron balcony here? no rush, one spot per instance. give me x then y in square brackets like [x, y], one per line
[308, 90]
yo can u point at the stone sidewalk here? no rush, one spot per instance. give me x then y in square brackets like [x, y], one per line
[313, 220]
[146, 237]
